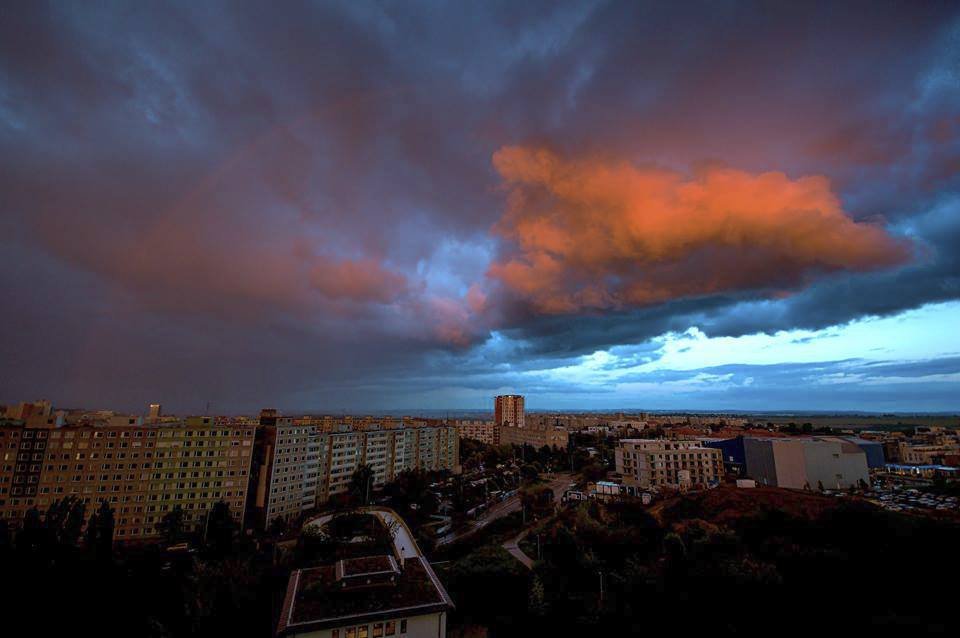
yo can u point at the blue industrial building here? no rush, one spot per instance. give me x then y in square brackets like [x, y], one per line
[734, 455]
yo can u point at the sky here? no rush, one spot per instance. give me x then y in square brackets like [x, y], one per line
[360, 206]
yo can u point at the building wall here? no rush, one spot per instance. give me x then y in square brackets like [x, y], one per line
[647, 463]
[142, 471]
[805, 463]
[508, 410]
[823, 464]
[297, 463]
[761, 463]
[484, 431]
[553, 437]
[316, 465]
[423, 626]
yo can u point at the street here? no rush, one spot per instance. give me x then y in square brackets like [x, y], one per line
[558, 483]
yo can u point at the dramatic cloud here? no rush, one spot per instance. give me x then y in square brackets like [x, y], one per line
[357, 280]
[593, 234]
[246, 205]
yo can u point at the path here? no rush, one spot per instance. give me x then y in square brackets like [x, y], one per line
[558, 483]
[513, 547]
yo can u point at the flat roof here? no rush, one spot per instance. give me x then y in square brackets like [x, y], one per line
[316, 599]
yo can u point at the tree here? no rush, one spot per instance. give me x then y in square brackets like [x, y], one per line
[72, 525]
[90, 533]
[529, 472]
[361, 484]
[537, 598]
[278, 526]
[31, 535]
[220, 528]
[411, 487]
[594, 471]
[171, 525]
[104, 531]
[4, 537]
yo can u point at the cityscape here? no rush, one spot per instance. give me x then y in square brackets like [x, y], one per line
[479, 319]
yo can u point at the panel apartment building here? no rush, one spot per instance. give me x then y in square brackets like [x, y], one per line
[142, 471]
[478, 430]
[298, 467]
[649, 463]
[508, 410]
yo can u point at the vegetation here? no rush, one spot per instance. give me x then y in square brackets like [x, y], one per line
[743, 559]
[228, 587]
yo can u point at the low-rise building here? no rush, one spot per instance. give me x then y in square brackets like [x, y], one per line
[370, 597]
[394, 594]
[925, 453]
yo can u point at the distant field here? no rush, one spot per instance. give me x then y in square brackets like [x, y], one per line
[865, 422]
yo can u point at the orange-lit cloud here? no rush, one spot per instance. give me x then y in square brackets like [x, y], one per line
[592, 233]
[359, 280]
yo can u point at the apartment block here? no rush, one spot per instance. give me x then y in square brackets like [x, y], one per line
[143, 471]
[508, 410]
[299, 467]
[286, 470]
[484, 431]
[647, 463]
[550, 436]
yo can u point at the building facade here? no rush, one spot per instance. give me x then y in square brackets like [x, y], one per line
[142, 471]
[508, 410]
[299, 467]
[551, 436]
[484, 431]
[806, 463]
[648, 463]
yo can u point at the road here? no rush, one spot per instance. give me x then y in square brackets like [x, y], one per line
[558, 483]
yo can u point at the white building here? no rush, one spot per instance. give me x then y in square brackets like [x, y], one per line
[805, 463]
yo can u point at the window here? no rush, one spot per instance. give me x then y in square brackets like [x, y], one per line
[378, 630]
[403, 626]
[351, 632]
[335, 633]
[362, 631]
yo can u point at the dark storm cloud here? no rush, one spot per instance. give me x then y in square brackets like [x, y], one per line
[242, 203]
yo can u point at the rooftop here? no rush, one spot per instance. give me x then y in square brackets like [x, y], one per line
[360, 590]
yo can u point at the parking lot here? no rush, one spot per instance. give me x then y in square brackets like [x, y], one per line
[900, 498]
